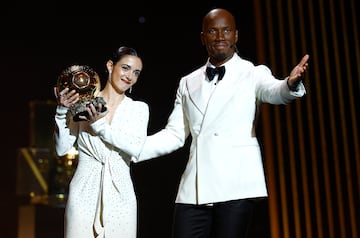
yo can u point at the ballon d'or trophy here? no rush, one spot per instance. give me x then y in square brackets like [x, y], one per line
[85, 81]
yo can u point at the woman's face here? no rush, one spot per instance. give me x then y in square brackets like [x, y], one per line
[125, 72]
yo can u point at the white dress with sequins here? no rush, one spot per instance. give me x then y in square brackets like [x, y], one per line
[101, 201]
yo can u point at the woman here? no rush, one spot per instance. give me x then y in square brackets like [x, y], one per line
[101, 200]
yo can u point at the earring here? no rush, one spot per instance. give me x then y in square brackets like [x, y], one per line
[130, 89]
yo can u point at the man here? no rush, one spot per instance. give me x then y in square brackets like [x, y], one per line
[224, 173]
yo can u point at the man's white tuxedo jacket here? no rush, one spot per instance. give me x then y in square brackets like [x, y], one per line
[225, 160]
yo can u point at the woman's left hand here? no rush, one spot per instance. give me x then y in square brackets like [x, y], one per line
[94, 113]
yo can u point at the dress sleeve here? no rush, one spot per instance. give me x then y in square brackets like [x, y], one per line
[66, 131]
[128, 130]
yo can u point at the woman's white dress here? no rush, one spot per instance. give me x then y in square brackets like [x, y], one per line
[101, 200]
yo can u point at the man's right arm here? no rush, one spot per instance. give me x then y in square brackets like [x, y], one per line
[169, 139]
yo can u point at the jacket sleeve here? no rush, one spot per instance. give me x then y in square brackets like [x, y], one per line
[272, 90]
[170, 138]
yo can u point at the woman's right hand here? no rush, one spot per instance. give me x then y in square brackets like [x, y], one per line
[65, 98]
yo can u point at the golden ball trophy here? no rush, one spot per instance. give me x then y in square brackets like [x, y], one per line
[86, 82]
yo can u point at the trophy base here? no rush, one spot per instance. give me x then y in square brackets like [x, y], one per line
[79, 110]
[76, 117]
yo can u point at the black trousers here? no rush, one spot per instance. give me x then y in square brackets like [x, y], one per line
[229, 219]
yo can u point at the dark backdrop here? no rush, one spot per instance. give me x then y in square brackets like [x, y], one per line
[39, 40]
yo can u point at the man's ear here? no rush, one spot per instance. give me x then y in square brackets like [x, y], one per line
[202, 38]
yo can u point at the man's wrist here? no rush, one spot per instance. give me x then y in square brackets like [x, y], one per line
[293, 87]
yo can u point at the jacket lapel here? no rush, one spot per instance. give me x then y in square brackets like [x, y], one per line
[223, 93]
[225, 90]
[195, 89]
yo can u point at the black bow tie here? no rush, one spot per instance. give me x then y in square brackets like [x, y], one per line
[211, 72]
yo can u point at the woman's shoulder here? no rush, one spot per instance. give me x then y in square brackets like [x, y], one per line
[138, 103]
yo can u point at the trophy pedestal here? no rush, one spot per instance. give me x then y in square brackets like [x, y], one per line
[40, 221]
[41, 189]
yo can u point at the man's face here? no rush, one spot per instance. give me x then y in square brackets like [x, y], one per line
[219, 36]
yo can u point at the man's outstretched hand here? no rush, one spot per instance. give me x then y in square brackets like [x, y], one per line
[298, 71]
